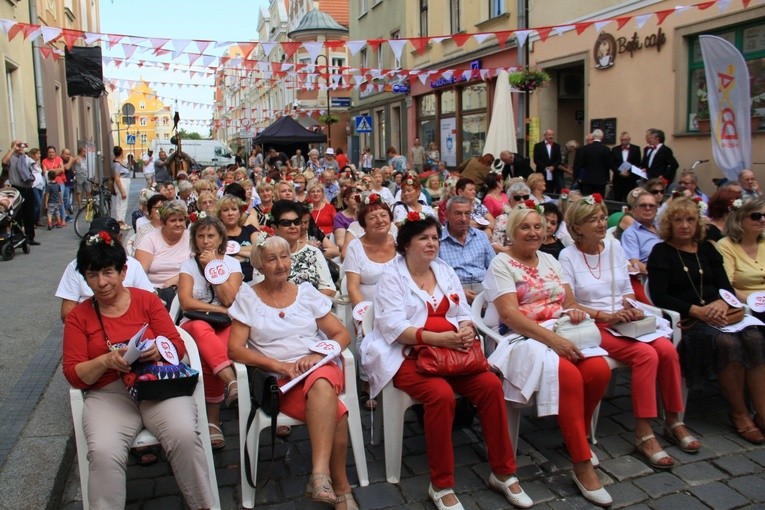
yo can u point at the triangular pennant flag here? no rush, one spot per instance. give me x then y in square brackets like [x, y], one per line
[438, 40]
[267, 48]
[290, 48]
[706, 5]
[114, 39]
[581, 27]
[374, 44]
[620, 22]
[461, 39]
[180, 44]
[502, 37]
[484, 74]
[129, 49]
[543, 33]
[448, 74]
[71, 36]
[480, 38]
[313, 48]
[14, 30]
[600, 25]
[6, 25]
[397, 46]
[419, 43]
[521, 36]
[682, 8]
[746, 3]
[158, 42]
[202, 45]
[246, 48]
[32, 32]
[562, 29]
[423, 78]
[50, 34]
[641, 20]
[45, 51]
[662, 15]
[723, 5]
[91, 38]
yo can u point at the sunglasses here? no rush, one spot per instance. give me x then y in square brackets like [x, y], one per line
[756, 216]
[518, 198]
[657, 191]
[289, 223]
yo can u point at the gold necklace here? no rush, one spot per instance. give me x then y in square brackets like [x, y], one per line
[700, 292]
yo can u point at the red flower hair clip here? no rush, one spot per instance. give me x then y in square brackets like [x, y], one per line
[414, 216]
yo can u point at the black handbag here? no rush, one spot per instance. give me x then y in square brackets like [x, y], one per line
[264, 394]
[218, 320]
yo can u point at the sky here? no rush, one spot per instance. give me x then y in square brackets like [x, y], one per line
[221, 20]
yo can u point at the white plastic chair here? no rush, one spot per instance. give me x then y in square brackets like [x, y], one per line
[175, 310]
[144, 437]
[251, 438]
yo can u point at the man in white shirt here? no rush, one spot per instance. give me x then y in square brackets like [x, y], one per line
[148, 167]
[72, 288]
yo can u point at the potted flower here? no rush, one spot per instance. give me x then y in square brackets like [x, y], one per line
[528, 79]
[703, 124]
[328, 119]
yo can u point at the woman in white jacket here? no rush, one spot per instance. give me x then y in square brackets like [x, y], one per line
[420, 301]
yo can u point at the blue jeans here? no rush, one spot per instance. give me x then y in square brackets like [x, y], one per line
[67, 197]
[38, 194]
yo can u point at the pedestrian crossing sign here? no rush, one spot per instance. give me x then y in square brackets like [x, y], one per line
[363, 123]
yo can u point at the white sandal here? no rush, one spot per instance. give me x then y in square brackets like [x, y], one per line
[217, 439]
[436, 498]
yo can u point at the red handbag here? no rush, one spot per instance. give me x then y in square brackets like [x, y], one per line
[434, 360]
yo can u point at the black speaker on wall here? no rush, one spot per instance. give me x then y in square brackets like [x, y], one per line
[84, 71]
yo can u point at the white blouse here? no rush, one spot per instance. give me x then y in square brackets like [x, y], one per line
[590, 276]
[201, 288]
[369, 271]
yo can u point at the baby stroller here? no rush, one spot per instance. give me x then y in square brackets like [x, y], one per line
[11, 235]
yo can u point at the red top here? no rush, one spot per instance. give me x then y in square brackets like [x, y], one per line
[324, 216]
[84, 339]
[57, 162]
[436, 321]
[342, 160]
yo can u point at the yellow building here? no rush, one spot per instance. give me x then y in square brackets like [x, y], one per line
[18, 85]
[142, 119]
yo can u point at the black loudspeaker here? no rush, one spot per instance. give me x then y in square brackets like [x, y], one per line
[84, 71]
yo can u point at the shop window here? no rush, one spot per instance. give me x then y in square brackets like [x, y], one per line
[473, 135]
[474, 97]
[496, 8]
[426, 119]
[448, 102]
[750, 40]
[426, 105]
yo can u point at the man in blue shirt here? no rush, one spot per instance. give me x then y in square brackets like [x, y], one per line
[465, 248]
[640, 237]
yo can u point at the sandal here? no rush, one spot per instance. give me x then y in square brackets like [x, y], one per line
[369, 403]
[750, 432]
[347, 499]
[686, 443]
[654, 459]
[233, 394]
[321, 492]
[217, 439]
[759, 422]
[145, 456]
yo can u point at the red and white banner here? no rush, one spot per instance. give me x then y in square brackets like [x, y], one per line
[729, 105]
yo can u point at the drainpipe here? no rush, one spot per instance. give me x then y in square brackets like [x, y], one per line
[42, 127]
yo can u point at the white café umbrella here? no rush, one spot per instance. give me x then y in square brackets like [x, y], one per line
[501, 134]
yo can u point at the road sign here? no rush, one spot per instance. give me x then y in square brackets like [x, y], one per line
[364, 124]
[130, 139]
[340, 102]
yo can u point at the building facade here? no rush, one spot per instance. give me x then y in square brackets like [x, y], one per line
[141, 120]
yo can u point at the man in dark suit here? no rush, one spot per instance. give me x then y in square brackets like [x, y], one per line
[594, 160]
[547, 157]
[513, 165]
[658, 159]
[624, 180]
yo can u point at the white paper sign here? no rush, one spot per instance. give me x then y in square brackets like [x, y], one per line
[730, 298]
[216, 272]
[360, 310]
[233, 247]
[329, 348]
[639, 172]
[136, 347]
[756, 301]
[167, 350]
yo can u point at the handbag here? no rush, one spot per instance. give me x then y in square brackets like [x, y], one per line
[218, 320]
[584, 334]
[154, 380]
[631, 329]
[264, 394]
[735, 315]
[434, 360]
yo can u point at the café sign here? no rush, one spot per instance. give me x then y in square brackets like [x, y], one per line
[607, 47]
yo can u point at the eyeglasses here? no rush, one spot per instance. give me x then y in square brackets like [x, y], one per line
[647, 206]
[756, 216]
[289, 223]
[657, 191]
[597, 219]
[518, 198]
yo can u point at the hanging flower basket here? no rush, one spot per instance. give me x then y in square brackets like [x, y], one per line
[328, 119]
[528, 79]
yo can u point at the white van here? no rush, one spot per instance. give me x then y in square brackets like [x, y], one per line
[205, 152]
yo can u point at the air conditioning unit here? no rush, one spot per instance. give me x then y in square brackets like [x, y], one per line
[570, 85]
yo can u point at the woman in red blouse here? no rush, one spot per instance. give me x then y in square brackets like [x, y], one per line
[323, 212]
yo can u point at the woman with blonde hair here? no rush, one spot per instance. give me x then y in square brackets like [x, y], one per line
[322, 211]
[536, 183]
[206, 202]
[744, 246]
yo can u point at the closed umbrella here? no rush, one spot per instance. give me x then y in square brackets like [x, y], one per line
[501, 134]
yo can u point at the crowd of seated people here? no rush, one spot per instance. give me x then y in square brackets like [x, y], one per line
[418, 249]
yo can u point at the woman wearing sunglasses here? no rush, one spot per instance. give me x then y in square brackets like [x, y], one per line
[744, 246]
[308, 263]
[517, 193]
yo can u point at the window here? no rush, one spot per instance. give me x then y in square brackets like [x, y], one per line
[395, 63]
[448, 102]
[337, 64]
[362, 7]
[165, 121]
[380, 58]
[750, 40]
[496, 8]
[144, 139]
[454, 7]
[364, 58]
[142, 105]
[426, 119]
[423, 19]
[142, 121]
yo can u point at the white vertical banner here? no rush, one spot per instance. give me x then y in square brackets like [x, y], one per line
[449, 141]
[729, 101]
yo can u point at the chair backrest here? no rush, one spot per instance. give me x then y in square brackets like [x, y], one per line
[176, 312]
[369, 320]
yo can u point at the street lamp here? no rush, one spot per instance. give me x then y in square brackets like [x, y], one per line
[329, 111]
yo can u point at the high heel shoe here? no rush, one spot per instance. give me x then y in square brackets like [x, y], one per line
[599, 497]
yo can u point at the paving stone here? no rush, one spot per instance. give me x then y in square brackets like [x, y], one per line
[381, 495]
[543, 440]
[719, 496]
[538, 491]
[561, 484]
[571, 503]
[165, 503]
[625, 494]
[758, 456]
[165, 486]
[737, 465]
[415, 488]
[615, 445]
[659, 484]
[624, 468]
[228, 498]
[698, 473]
[753, 487]
[679, 500]
[721, 445]
[637, 507]
[139, 489]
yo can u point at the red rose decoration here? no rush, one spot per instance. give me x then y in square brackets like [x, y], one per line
[413, 216]
[664, 181]
[564, 191]
[696, 199]
[129, 379]
[374, 198]
[266, 210]
[456, 298]
[267, 230]
[193, 217]
[357, 198]
[598, 198]
[105, 237]
[530, 204]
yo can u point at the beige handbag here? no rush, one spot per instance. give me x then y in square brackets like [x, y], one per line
[584, 334]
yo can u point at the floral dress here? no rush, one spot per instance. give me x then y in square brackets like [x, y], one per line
[309, 265]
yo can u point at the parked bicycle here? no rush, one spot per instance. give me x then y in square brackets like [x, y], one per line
[97, 205]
